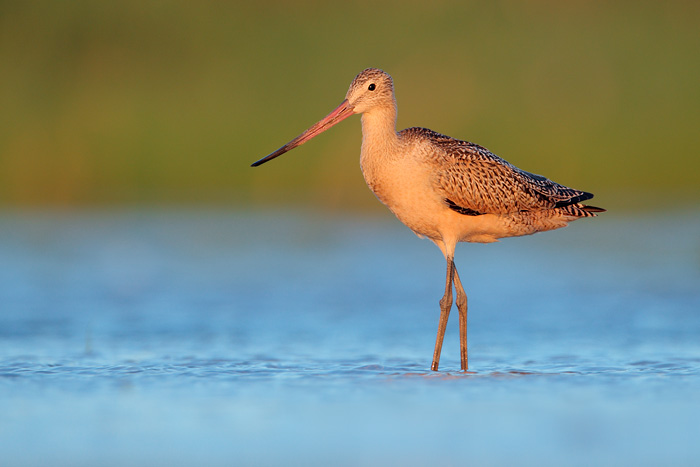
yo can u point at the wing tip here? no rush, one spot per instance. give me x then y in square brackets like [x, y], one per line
[580, 196]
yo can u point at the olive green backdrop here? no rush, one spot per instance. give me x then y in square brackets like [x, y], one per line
[132, 102]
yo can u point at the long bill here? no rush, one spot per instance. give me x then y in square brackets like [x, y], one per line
[343, 111]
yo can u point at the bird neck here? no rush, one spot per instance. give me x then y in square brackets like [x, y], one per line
[379, 137]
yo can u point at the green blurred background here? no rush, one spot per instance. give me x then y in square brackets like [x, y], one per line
[132, 102]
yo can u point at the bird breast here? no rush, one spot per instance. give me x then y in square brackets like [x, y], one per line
[402, 181]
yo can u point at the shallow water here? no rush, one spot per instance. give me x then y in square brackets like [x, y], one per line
[163, 337]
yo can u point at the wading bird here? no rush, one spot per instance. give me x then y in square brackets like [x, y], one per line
[445, 189]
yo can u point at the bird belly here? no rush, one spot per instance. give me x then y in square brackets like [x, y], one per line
[490, 227]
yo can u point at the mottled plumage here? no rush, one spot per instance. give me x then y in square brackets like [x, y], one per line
[445, 189]
[474, 178]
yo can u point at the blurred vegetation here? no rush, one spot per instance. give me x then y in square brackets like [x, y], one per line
[156, 102]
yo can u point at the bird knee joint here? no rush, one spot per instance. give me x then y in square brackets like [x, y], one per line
[446, 301]
[461, 300]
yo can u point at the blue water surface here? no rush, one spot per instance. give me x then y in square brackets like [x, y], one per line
[211, 337]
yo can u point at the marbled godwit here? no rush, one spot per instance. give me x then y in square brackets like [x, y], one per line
[445, 189]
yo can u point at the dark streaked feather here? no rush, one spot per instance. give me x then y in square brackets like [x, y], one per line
[466, 211]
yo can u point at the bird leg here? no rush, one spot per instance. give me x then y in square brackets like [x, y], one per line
[461, 301]
[445, 305]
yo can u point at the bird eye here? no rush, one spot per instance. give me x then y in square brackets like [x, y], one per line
[372, 87]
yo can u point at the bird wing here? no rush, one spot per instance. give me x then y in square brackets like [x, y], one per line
[472, 180]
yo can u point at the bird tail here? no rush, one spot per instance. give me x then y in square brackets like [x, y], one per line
[580, 210]
[592, 209]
